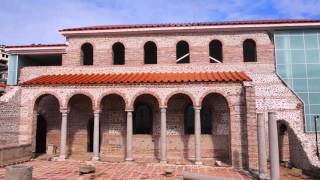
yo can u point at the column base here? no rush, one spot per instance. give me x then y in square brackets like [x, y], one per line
[198, 163]
[263, 176]
[95, 159]
[163, 161]
[62, 158]
[129, 159]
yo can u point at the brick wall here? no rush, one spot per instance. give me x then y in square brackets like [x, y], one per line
[166, 47]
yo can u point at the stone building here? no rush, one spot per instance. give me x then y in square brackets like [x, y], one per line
[176, 93]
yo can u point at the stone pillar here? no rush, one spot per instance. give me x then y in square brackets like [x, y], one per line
[163, 136]
[262, 146]
[249, 153]
[129, 136]
[63, 141]
[273, 147]
[197, 133]
[96, 135]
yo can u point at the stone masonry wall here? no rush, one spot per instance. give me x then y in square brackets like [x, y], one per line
[9, 119]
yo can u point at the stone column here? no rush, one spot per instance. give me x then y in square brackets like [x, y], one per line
[262, 146]
[63, 141]
[96, 135]
[273, 146]
[163, 136]
[197, 133]
[129, 136]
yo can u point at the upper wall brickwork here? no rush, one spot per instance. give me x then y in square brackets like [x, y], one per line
[166, 47]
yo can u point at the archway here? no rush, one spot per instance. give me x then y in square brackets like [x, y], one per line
[180, 125]
[284, 146]
[146, 125]
[113, 128]
[47, 123]
[79, 116]
[215, 129]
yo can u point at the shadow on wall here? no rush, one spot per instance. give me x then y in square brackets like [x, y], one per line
[298, 156]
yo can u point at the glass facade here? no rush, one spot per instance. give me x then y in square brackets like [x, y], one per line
[298, 64]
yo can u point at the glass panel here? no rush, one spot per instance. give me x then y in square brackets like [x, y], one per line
[314, 85]
[304, 97]
[284, 71]
[283, 57]
[296, 42]
[282, 42]
[300, 85]
[314, 98]
[312, 56]
[298, 65]
[311, 41]
[297, 56]
[299, 70]
[313, 70]
[315, 109]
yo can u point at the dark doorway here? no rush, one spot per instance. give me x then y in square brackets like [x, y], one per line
[90, 136]
[90, 131]
[41, 135]
[189, 120]
[142, 119]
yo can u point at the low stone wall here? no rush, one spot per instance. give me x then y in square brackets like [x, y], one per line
[15, 154]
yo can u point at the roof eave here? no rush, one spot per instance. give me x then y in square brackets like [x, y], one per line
[195, 29]
[36, 50]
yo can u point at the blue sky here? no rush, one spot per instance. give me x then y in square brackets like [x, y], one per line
[38, 21]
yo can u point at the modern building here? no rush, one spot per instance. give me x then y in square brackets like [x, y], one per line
[176, 93]
[3, 69]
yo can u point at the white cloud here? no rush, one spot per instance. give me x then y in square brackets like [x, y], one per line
[32, 21]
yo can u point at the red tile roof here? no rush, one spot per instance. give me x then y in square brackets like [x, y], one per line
[129, 78]
[35, 45]
[248, 22]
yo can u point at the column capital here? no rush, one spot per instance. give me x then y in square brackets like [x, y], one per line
[163, 110]
[197, 107]
[96, 111]
[64, 110]
[128, 110]
[163, 107]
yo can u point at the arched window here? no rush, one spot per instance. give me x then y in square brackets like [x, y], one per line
[189, 120]
[215, 51]
[142, 119]
[87, 54]
[249, 51]
[118, 53]
[182, 52]
[150, 53]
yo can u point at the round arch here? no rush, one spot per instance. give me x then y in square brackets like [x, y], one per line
[103, 95]
[218, 93]
[90, 96]
[38, 97]
[192, 98]
[153, 94]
